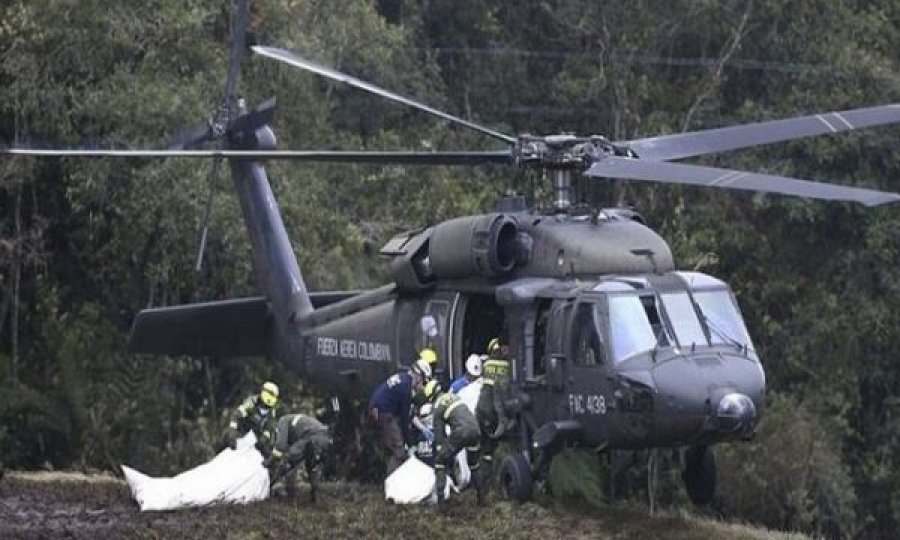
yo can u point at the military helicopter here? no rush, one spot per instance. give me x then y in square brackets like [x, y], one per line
[613, 347]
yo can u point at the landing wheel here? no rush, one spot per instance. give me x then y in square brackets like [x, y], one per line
[515, 478]
[700, 475]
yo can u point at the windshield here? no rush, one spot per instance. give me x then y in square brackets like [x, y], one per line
[722, 317]
[683, 316]
[635, 324]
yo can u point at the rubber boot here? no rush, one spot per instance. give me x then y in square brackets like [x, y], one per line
[440, 474]
[312, 477]
[478, 483]
[487, 470]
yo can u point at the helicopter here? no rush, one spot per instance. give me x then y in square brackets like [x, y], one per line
[613, 346]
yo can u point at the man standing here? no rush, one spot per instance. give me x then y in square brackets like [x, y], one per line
[299, 438]
[389, 411]
[256, 413]
[451, 415]
[491, 413]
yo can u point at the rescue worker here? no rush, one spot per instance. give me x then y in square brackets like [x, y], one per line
[389, 409]
[455, 428]
[299, 439]
[473, 371]
[491, 413]
[256, 413]
[423, 441]
[429, 355]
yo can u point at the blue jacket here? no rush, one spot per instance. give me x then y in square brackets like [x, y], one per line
[457, 385]
[394, 396]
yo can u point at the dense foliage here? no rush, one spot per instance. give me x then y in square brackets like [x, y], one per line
[85, 244]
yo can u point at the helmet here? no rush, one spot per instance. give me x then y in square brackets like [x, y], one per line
[431, 390]
[422, 368]
[269, 394]
[428, 355]
[493, 346]
[473, 365]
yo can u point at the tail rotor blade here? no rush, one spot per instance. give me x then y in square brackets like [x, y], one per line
[226, 112]
[207, 211]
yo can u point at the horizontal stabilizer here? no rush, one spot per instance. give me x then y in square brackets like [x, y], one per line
[238, 327]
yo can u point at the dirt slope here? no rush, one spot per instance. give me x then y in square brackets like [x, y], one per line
[70, 505]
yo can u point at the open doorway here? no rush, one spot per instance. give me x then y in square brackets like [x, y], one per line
[484, 319]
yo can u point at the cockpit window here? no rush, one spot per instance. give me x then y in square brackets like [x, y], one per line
[636, 325]
[687, 327]
[587, 343]
[722, 317]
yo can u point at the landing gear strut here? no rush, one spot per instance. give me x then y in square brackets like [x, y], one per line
[699, 474]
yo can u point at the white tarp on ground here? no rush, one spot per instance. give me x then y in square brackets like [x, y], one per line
[412, 483]
[233, 476]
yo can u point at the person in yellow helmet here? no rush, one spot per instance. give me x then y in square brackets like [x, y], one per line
[257, 413]
[491, 411]
[455, 429]
[429, 355]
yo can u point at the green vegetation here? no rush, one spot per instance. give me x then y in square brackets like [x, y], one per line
[85, 244]
[83, 509]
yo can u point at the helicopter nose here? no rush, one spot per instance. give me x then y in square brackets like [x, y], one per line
[736, 414]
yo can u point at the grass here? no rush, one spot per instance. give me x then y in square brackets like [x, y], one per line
[78, 506]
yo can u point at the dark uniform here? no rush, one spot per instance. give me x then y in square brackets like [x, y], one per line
[492, 418]
[300, 438]
[451, 414]
[253, 415]
[389, 412]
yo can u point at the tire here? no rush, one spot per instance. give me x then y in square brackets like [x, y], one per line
[700, 475]
[515, 478]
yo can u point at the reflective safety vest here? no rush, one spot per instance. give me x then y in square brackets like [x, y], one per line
[495, 371]
[450, 411]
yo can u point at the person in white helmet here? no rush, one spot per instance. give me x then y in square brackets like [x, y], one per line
[389, 409]
[473, 371]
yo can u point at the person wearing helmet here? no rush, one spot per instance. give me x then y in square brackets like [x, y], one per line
[455, 428]
[423, 421]
[430, 356]
[299, 439]
[256, 413]
[491, 413]
[473, 371]
[389, 408]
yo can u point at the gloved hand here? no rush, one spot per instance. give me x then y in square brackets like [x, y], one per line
[231, 439]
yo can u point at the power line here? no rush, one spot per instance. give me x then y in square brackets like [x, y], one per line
[635, 57]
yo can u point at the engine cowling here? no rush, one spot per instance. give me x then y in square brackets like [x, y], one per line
[485, 245]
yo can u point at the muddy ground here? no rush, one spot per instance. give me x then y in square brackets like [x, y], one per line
[71, 505]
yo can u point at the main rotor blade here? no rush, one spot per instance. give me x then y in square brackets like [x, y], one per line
[678, 173]
[334, 156]
[698, 143]
[191, 138]
[238, 33]
[292, 59]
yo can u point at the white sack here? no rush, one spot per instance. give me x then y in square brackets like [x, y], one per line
[233, 476]
[412, 483]
[469, 395]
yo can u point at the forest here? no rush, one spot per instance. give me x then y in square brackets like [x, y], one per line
[87, 243]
